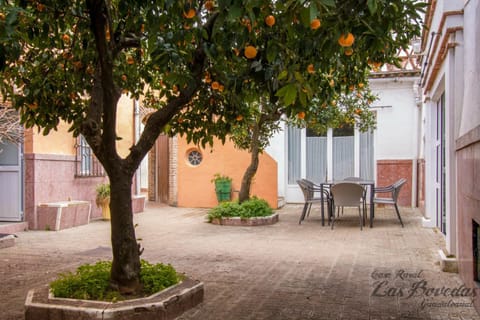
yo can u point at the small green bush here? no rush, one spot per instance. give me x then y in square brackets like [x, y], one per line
[254, 207]
[92, 282]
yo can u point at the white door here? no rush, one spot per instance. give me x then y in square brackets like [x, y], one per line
[337, 154]
[440, 165]
[10, 182]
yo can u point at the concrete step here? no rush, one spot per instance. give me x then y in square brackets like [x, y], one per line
[12, 227]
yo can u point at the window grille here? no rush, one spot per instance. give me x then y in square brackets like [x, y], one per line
[87, 165]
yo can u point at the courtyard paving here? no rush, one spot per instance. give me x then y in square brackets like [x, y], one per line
[282, 271]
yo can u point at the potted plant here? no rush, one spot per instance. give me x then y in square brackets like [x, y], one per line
[223, 187]
[103, 199]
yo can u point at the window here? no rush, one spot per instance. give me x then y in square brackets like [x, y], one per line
[87, 165]
[194, 157]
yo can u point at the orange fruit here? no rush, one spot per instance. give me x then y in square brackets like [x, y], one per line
[209, 5]
[2, 16]
[250, 52]
[107, 34]
[348, 51]
[77, 64]
[190, 14]
[358, 111]
[315, 24]
[33, 106]
[239, 117]
[270, 20]
[215, 85]
[346, 40]
[130, 60]
[310, 68]
[221, 88]
[360, 85]
[301, 115]
[66, 38]
[175, 88]
[351, 87]
[124, 77]
[40, 7]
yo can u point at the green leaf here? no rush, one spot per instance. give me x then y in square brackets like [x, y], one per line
[372, 6]
[289, 93]
[329, 3]
[283, 75]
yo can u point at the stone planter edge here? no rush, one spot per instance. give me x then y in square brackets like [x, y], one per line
[166, 304]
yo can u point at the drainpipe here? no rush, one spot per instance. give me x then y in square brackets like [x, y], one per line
[136, 115]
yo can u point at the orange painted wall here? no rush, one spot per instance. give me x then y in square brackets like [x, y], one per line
[125, 125]
[56, 142]
[61, 141]
[195, 188]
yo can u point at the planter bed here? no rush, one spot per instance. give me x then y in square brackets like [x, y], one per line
[167, 304]
[254, 221]
[6, 240]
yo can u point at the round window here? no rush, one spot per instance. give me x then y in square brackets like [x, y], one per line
[194, 157]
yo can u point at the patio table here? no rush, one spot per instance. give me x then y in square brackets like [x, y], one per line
[369, 183]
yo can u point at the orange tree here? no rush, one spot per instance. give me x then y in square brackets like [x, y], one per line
[198, 64]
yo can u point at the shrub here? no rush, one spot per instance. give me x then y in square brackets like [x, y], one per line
[254, 207]
[92, 282]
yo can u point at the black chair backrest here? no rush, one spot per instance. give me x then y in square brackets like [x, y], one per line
[397, 186]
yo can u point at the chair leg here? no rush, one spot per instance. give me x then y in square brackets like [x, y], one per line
[360, 215]
[308, 211]
[304, 211]
[398, 214]
[329, 211]
[333, 217]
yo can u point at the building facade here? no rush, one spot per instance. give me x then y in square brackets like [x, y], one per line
[451, 112]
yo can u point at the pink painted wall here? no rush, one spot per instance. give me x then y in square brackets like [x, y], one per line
[51, 178]
[468, 208]
[195, 188]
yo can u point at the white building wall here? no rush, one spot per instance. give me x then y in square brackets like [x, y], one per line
[470, 115]
[278, 151]
[443, 73]
[396, 136]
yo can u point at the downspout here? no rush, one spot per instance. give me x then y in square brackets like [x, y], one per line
[136, 119]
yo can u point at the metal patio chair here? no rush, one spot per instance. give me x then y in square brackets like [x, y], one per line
[393, 190]
[311, 194]
[348, 194]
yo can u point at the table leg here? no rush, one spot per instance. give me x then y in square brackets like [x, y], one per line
[321, 204]
[372, 205]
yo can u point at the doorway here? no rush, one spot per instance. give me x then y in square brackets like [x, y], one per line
[11, 177]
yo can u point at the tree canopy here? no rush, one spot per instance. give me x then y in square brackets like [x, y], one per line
[200, 65]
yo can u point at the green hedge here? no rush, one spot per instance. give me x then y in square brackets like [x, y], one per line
[92, 282]
[254, 207]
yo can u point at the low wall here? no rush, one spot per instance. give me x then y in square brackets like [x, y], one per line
[62, 215]
[390, 171]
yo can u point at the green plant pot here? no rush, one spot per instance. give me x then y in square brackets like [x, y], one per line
[223, 190]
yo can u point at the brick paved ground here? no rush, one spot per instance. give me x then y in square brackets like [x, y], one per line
[284, 271]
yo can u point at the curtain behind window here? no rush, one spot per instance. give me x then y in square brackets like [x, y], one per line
[294, 154]
[316, 157]
[366, 155]
[343, 153]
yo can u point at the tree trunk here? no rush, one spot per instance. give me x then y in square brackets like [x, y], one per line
[244, 194]
[125, 273]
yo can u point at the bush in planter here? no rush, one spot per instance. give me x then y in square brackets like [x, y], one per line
[254, 207]
[92, 282]
[223, 187]
[103, 199]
